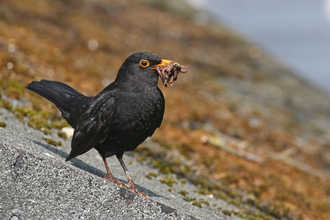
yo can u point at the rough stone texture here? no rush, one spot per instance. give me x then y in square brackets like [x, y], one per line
[36, 183]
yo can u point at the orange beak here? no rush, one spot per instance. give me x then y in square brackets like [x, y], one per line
[164, 62]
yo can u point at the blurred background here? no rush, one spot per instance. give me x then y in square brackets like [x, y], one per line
[296, 31]
[240, 124]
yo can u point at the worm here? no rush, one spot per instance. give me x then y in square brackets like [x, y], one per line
[169, 72]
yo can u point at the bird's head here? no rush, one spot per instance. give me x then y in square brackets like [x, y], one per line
[143, 68]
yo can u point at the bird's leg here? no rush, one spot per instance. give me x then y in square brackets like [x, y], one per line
[130, 183]
[109, 175]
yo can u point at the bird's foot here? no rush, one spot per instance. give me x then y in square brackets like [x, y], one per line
[115, 181]
[129, 185]
[132, 187]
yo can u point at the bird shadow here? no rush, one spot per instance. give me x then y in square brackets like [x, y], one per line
[86, 167]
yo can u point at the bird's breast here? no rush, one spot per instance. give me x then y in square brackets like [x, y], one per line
[137, 116]
[141, 110]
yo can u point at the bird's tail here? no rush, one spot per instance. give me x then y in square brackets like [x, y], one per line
[63, 96]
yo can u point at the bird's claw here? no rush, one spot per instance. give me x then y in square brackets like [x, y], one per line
[133, 188]
[129, 185]
[115, 181]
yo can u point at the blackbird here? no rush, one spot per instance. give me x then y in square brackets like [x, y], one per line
[120, 117]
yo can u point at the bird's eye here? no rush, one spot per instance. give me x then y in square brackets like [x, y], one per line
[144, 63]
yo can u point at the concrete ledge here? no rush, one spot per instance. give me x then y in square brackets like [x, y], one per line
[36, 183]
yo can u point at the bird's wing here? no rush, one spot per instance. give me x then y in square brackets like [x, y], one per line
[94, 126]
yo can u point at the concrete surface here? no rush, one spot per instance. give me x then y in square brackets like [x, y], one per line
[36, 183]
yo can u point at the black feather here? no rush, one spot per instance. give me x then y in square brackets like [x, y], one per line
[120, 117]
[116, 120]
[67, 100]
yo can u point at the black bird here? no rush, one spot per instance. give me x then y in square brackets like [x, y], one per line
[120, 117]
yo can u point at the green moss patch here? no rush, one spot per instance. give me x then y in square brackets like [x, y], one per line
[53, 142]
[183, 192]
[198, 204]
[6, 104]
[189, 199]
[3, 124]
[204, 202]
[168, 181]
[151, 175]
